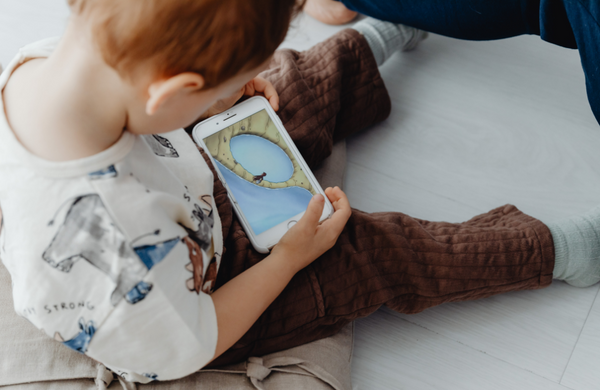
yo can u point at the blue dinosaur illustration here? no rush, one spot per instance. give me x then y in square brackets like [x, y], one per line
[80, 342]
[153, 254]
[89, 233]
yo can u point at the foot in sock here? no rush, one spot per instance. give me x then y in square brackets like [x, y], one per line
[329, 11]
[577, 249]
[386, 38]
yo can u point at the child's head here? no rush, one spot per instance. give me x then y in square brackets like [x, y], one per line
[216, 46]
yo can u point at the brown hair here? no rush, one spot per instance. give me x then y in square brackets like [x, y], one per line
[215, 38]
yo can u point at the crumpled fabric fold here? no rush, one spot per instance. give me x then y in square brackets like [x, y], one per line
[258, 369]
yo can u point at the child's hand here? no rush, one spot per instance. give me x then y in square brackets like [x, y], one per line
[262, 87]
[256, 86]
[307, 240]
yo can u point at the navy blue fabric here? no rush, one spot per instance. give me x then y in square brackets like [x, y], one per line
[568, 23]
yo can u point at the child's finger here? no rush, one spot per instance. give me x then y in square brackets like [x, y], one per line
[273, 97]
[266, 88]
[341, 214]
[311, 217]
[329, 193]
[338, 198]
[343, 211]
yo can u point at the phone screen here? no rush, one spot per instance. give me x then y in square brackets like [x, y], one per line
[261, 172]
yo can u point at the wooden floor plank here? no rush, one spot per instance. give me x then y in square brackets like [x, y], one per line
[582, 372]
[392, 354]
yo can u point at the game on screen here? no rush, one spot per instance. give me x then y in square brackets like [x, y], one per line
[261, 172]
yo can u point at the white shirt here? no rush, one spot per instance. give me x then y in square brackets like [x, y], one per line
[112, 254]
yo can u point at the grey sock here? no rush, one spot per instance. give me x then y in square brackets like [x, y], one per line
[385, 38]
[577, 249]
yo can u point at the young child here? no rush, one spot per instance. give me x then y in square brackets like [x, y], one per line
[121, 244]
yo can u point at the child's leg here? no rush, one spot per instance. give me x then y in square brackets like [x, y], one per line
[328, 92]
[385, 258]
[402, 262]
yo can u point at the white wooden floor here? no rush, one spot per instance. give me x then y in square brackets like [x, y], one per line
[474, 125]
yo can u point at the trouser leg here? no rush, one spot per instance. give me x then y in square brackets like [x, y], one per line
[569, 23]
[328, 92]
[405, 263]
[583, 16]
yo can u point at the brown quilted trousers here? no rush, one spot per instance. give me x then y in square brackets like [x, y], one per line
[330, 92]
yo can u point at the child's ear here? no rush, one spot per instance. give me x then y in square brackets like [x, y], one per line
[162, 90]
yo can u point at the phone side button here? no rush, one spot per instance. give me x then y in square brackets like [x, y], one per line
[291, 223]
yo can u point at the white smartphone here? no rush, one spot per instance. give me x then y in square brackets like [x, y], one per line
[267, 179]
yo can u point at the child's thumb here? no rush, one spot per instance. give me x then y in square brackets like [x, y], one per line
[313, 212]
